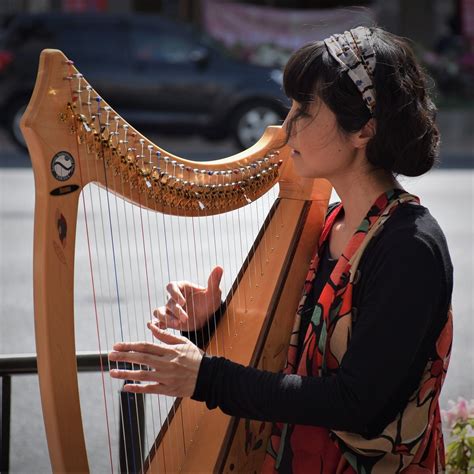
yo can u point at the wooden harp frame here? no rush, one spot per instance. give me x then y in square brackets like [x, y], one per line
[62, 144]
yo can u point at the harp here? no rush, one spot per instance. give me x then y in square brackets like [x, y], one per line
[81, 148]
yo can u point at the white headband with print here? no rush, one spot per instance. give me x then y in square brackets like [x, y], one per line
[353, 50]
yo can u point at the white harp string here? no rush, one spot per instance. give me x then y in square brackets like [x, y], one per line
[192, 248]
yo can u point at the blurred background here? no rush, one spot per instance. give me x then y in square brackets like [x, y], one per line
[146, 58]
[202, 79]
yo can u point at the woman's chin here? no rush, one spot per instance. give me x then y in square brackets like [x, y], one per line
[300, 165]
[304, 172]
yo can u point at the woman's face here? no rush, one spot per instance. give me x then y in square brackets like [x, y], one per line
[319, 148]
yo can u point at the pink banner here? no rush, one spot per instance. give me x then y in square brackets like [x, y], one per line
[266, 33]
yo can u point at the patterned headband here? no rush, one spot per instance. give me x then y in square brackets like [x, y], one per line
[353, 50]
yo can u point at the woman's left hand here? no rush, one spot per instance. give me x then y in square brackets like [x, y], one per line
[170, 368]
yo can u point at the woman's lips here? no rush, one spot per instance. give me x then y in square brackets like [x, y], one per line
[295, 153]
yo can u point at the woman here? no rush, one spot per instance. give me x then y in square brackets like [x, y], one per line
[373, 334]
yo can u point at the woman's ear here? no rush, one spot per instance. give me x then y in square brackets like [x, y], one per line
[365, 134]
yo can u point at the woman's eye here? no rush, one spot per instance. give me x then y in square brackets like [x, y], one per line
[301, 113]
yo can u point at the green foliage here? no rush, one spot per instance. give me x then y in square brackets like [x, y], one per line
[460, 451]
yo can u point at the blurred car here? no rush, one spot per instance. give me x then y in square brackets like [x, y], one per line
[153, 71]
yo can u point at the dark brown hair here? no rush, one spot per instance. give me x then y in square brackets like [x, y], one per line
[407, 139]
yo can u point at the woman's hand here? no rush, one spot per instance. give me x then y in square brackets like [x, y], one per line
[190, 305]
[170, 368]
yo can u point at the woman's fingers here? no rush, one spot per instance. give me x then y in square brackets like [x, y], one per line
[157, 388]
[175, 292]
[176, 310]
[147, 353]
[163, 368]
[134, 358]
[160, 313]
[166, 336]
[174, 364]
[144, 347]
[166, 319]
[141, 375]
[214, 279]
[143, 353]
[154, 380]
[138, 375]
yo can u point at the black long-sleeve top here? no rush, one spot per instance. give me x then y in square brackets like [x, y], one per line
[400, 305]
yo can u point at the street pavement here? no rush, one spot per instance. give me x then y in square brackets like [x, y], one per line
[447, 192]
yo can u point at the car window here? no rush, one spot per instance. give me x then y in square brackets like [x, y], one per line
[80, 40]
[150, 45]
[216, 45]
[93, 42]
[26, 33]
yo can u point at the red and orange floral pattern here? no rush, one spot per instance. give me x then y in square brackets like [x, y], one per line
[413, 442]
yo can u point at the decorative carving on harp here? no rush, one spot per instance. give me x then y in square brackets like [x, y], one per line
[178, 217]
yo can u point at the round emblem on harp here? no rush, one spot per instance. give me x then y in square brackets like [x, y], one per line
[62, 166]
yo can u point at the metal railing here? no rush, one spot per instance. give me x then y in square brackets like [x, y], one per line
[131, 429]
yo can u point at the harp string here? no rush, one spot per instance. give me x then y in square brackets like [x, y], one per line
[122, 259]
[230, 234]
[119, 303]
[245, 255]
[192, 252]
[93, 238]
[150, 306]
[99, 265]
[154, 272]
[171, 411]
[227, 271]
[162, 291]
[121, 336]
[258, 266]
[205, 221]
[135, 317]
[131, 405]
[142, 273]
[92, 282]
[205, 243]
[161, 399]
[168, 276]
[253, 223]
[200, 276]
[253, 232]
[139, 146]
[192, 261]
[216, 262]
[133, 298]
[232, 260]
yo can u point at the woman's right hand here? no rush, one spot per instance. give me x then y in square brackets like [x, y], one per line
[190, 305]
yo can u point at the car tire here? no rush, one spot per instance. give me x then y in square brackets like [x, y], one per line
[250, 121]
[15, 111]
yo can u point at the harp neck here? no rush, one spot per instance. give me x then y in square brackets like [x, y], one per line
[97, 144]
